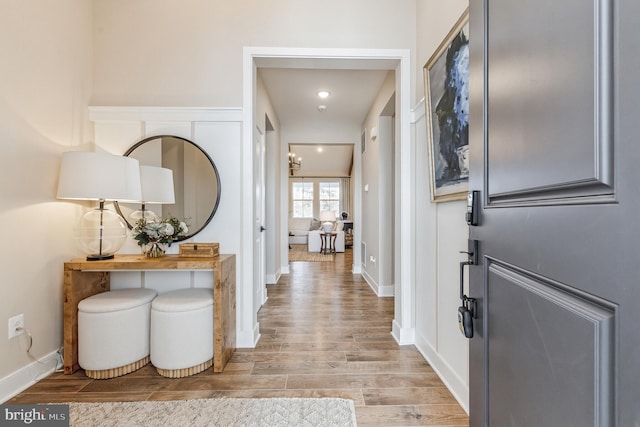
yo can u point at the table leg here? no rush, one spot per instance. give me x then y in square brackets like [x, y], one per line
[78, 285]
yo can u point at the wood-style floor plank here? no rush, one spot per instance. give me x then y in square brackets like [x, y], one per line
[324, 333]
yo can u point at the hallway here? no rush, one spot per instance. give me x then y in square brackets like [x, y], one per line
[325, 329]
[324, 334]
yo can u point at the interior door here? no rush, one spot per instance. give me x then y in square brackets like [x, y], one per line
[554, 129]
[259, 244]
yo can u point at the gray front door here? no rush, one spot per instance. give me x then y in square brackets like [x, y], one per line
[555, 154]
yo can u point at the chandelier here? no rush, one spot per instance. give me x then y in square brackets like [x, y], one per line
[294, 162]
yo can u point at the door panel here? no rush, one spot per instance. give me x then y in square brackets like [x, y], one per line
[536, 327]
[546, 83]
[554, 148]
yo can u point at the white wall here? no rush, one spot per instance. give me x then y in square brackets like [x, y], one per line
[440, 229]
[434, 20]
[386, 201]
[275, 177]
[189, 52]
[218, 132]
[377, 194]
[370, 216]
[45, 85]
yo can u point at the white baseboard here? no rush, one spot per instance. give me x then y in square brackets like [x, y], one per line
[370, 281]
[403, 336]
[456, 385]
[272, 279]
[379, 290]
[385, 291]
[27, 376]
[248, 339]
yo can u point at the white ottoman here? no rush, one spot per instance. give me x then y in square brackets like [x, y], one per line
[182, 332]
[113, 332]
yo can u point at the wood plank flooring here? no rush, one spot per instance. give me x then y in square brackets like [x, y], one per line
[324, 334]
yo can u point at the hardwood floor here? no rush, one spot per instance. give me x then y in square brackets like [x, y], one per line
[324, 334]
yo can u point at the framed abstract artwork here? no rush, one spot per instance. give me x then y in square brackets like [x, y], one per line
[446, 82]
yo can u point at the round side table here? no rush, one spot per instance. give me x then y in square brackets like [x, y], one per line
[328, 243]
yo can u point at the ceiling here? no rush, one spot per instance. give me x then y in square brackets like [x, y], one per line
[293, 89]
[320, 160]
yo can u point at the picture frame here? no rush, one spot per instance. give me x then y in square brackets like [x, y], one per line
[446, 83]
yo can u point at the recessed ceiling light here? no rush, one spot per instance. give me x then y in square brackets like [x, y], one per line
[319, 149]
[323, 94]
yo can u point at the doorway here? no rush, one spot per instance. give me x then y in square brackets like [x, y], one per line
[397, 60]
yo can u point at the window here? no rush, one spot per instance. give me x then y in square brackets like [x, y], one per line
[329, 196]
[302, 199]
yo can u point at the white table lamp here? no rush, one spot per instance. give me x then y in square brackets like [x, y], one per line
[157, 188]
[100, 177]
[327, 218]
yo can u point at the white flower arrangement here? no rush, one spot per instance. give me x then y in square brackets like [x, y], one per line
[153, 235]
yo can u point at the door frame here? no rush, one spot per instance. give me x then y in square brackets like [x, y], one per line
[403, 327]
[259, 236]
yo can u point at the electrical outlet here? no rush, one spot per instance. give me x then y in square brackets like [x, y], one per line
[16, 325]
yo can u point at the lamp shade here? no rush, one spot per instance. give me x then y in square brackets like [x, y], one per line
[328, 216]
[98, 176]
[157, 185]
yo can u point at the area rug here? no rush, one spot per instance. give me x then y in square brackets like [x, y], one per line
[300, 253]
[225, 412]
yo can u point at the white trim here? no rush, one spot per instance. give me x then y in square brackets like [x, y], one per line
[370, 281]
[403, 336]
[272, 279]
[187, 114]
[418, 111]
[369, 59]
[456, 385]
[405, 284]
[379, 290]
[385, 290]
[248, 339]
[27, 376]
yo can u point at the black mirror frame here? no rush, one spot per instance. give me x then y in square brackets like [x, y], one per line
[215, 171]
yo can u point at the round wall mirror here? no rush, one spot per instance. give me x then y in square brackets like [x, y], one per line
[196, 181]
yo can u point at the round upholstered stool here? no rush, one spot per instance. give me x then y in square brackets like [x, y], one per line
[182, 332]
[113, 332]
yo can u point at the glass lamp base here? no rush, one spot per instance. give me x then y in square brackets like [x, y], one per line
[135, 216]
[99, 257]
[100, 234]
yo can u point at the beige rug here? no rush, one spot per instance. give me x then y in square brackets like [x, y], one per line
[216, 412]
[300, 253]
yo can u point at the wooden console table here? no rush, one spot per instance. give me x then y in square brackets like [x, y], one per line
[84, 278]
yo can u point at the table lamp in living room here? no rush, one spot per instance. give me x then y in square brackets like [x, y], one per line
[327, 218]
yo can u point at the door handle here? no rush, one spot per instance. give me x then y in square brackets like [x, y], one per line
[262, 228]
[469, 308]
